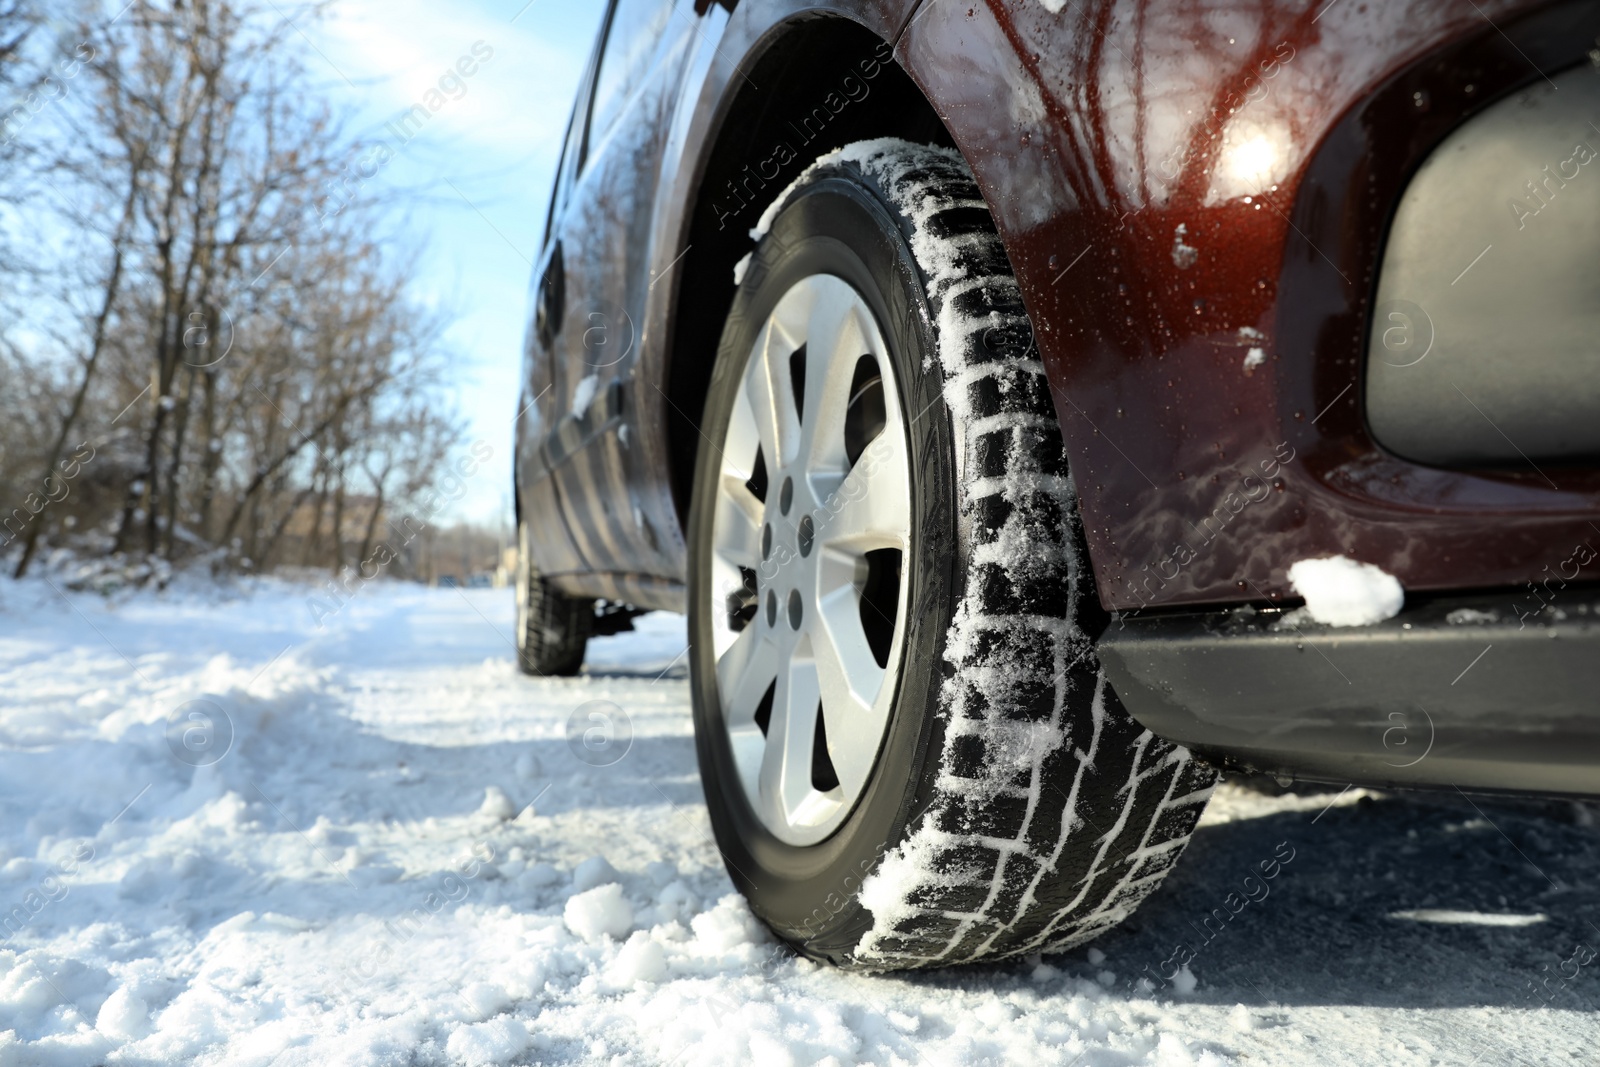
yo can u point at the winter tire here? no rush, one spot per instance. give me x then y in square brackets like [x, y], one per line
[552, 629]
[909, 752]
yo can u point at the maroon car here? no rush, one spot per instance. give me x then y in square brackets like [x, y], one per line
[1027, 400]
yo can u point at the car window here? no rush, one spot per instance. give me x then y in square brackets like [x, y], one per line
[637, 26]
[559, 189]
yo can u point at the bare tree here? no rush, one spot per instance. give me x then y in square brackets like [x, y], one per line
[244, 356]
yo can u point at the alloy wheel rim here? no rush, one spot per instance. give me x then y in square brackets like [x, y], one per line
[810, 534]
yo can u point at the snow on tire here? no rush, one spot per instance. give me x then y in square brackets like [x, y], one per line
[1015, 807]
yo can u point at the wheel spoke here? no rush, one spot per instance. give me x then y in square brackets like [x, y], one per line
[743, 440]
[851, 683]
[838, 333]
[743, 673]
[770, 395]
[872, 506]
[786, 767]
[737, 523]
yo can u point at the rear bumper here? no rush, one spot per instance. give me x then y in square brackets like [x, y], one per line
[1438, 696]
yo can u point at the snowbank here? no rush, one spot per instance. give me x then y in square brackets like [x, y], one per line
[343, 885]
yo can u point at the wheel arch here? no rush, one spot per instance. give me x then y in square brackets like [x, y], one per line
[794, 84]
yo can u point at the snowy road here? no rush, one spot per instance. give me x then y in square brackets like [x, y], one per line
[336, 863]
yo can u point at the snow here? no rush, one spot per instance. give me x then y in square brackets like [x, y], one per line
[331, 890]
[1470, 617]
[496, 805]
[123, 1017]
[1469, 918]
[594, 871]
[495, 1041]
[1184, 255]
[1253, 359]
[583, 394]
[599, 912]
[740, 267]
[641, 960]
[1342, 592]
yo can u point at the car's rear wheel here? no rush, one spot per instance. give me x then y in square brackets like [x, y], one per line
[909, 752]
[552, 628]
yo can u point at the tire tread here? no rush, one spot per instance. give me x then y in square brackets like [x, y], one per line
[1053, 813]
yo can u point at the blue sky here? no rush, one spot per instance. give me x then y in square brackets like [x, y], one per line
[481, 168]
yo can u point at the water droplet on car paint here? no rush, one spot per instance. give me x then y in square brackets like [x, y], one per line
[1055, 261]
[1299, 416]
[1420, 100]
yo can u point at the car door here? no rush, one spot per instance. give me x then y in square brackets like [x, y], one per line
[551, 547]
[602, 238]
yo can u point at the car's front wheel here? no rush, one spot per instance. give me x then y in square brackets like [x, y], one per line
[909, 751]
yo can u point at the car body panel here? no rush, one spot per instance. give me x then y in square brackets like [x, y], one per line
[603, 479]
[1206, 352]
[608, 463]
